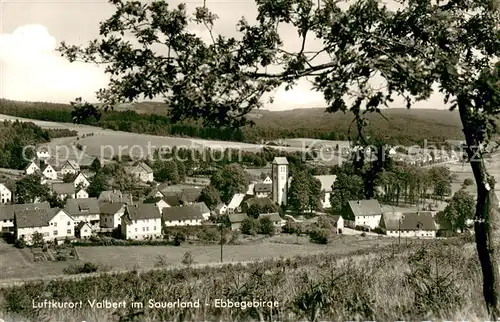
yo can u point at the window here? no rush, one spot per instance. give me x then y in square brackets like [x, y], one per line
[154, 228]
[69, 231]
[69, 223]
[147, 228]
[5, 220]
[55, 232]
[55, 224]
[143, 229]
[136, 230]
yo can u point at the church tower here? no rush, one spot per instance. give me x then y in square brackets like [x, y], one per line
[280, 180]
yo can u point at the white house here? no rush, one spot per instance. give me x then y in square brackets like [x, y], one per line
[327, 182]
[142, 172]
[409, 224]
[42, 154]
[338, 224]
[221, 209]
[275, 218]
[267, 180]
[31, 168]
[155, 193]
[53, 224]
[141, 221]
[81, 180]
[191, 215]
[205, 211]
[83, 230]
[7, 214]
[160, 204]
[70, 167]
[86, 210]
[114, 196]
[280, 180]
[64, 190]
[5, 194]
[110, 214]
[82, 194]
[49, 172]
[236, 220]
[235, 203]
[365, 213]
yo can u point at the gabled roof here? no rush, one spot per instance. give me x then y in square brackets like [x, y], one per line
[172, 200]
[4, 186]
[365, 207]
[110, 208]
[237, 218]
[327, 182]
[29, 165]
[76, 207]
[190, 194]
[273, 216]
[141, 167]
[280, 160]
[263, 188]
[220, 206]
[71, 164]
[259, 201]
[203, 207]
[236, 201]
[153, 193]
[46, 166]
[63, 188]
[80, 174]
[7, 211]
[422, 220]
[192, 212]
[141, 211]
[35, 217]
[81, 224]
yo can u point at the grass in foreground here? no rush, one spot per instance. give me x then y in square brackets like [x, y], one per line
[422, 281]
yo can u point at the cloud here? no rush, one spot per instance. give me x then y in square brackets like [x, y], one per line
[32, 70]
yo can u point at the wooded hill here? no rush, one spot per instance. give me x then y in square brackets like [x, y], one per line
[401, 127]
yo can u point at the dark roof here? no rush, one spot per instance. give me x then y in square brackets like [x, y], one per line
[110, 208]
[280, 160]
[35, 217]
[172, 200]
[203, 207]
[263, 187]
[81, 224]
[220, 206]
[422, 220]
[192, 212]
[190, 194]
[237, 218]
[63, 188]
[152, 193]
[259, 201]
[114, 196]
[141, 211]
[365, 207]
[7, 211]
[75, 207]
[274, 216]
[335, 218]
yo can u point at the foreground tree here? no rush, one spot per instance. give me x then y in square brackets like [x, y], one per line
[453, 44]
[29, 189]
[460, 209]
[229, 180]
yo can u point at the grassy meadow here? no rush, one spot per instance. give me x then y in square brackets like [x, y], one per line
[433, 280]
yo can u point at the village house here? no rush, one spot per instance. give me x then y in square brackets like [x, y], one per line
[7, 214]
[86, 210]
[191, 215]
[81, 180]
[49, 172]
[262, 190]
[338, 224]
[83, 230]
[236, 220]
[64, 190]
[115, 196]
[110, 214]
[5, 194]
[221, 209]
[189, 196]
[42, 154]
[69, 166]
[142, 172]
[141, 221]
[81, 194]
[155, 193]
[52, 223]
[364, 213]
[409, 224]
[235, 204]
[267, 180]
[31, 168]
[275, 218]
[250, 189]
[205, 211]
[327, 182]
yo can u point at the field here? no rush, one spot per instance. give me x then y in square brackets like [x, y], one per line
[437, 280]
[21, 265]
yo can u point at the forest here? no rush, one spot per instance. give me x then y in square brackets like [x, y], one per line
[14, 136]
[400, 126]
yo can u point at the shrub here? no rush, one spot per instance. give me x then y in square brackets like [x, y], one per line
[161, 261]
[187, 259]
[266, 226]
[86, 268]
[19, 243]
[61, 257]
[319, 236]
[248, 227]
[179, 239]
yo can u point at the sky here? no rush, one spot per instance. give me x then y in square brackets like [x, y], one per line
[32, 70]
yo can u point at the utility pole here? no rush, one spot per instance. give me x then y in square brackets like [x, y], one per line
[221, 242]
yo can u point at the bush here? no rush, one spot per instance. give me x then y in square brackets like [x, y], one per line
[319, 236]
[248, 227]
[86, 268]
[19, 243]
[187, 259]
[379, 230]
[61, 257]
[179, 239]
[266, 226]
